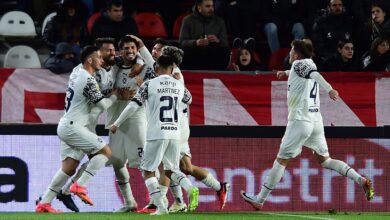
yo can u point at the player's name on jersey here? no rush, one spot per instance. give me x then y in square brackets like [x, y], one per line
[171, 128]
[314, 109]
[168, 90]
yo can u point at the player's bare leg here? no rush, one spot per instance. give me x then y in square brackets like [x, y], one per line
[221, 188]
[185, 183]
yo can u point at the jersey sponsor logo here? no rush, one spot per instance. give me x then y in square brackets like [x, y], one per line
[169, 128]
[314, 109]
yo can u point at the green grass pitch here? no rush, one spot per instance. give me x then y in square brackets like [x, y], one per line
[199, 215]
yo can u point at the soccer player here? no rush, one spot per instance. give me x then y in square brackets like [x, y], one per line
[161, 96]
[105, 79]
[305, 126]
[76, 137]
[128, 143]
[221, 188]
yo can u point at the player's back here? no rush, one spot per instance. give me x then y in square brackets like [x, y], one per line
[81, 92]
[162, 108]
[303, 92]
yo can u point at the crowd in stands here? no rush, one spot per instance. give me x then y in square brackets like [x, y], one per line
[348, 35]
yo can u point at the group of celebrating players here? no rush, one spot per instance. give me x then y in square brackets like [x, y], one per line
[147, 103]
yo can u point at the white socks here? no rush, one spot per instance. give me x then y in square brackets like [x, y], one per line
[273, 178]
[176, 192]
[343, 169]
[97, 162]
[210, 181]
[182, 180]
[58, 181]
[122, 178]
[66, 188]
[155, 192]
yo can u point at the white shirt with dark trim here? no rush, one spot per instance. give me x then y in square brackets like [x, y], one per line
[161, 97]
[106, 80]
[303, 98]
[82, 91]
[123, 81]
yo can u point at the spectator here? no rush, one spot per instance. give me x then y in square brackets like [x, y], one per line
[330, 28]
[281, 15]
[240, 16]
[67, 26]
[203, 38]
[245, 60]
[63, 60]
[114, 23]
[378, 58]
[343, 60]
[377, 26]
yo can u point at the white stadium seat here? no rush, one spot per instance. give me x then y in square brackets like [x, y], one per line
[22, 57]
[17, 24]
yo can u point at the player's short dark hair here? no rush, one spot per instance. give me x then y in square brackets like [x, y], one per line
[87, 51]
[104, 40]
[165, 61]
[127, 39]
[174, 52]
[161, 41]
[303, 48]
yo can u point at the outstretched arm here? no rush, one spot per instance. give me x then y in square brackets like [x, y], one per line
[333, 94]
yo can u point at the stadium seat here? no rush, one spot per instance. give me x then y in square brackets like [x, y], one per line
[47, 19]
[91, 21]
[276, 60]
[177, 25]
[21, 57]
[150, 25]
[17, 24]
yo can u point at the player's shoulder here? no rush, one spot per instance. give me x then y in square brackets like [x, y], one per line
[304, 67]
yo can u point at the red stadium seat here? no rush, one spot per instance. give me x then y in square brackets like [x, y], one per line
[177, 25]
[276, 60]
[150, 25]
[91, 21]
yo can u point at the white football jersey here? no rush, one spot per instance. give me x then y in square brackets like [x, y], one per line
[123, 81]
[303, 98]
[106, 79]
[82, 91]
[161, 97]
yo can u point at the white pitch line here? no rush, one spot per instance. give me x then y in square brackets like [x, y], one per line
[299, 216]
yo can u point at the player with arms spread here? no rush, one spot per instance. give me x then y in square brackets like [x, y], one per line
[305, 126]
[161, 96]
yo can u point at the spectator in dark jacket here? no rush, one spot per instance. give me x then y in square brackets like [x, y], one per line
[204, 39]
[343, 60]
[67, 26]
[63, 60]
[329, 29]
[114, 23]
[378, 58]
